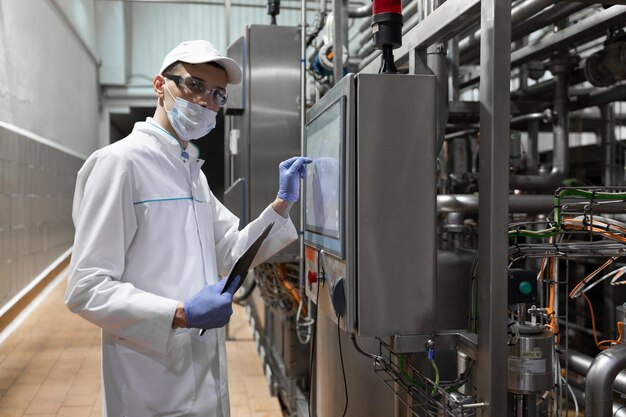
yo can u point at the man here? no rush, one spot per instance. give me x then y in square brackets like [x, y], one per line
[152, 240]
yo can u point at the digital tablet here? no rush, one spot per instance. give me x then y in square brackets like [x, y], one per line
[242, 265]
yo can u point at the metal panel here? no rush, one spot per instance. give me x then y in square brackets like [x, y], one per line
[235, 101]
[273, 97]
[396, 200]
[368, 396]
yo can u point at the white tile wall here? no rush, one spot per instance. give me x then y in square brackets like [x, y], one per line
[36, 191]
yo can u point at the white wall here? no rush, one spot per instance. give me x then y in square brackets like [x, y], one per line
[134, 37]
[48, 78]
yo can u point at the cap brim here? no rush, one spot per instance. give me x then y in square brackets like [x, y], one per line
[232, 69]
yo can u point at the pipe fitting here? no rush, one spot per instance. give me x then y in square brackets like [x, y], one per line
[600, 379]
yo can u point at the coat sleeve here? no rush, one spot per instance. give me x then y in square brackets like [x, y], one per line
[105, 224]
[230, 242]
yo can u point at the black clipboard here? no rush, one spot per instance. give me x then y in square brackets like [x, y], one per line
[242, 265]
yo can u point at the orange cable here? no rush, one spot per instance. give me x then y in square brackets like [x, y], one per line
[593, 319]
[289, 287]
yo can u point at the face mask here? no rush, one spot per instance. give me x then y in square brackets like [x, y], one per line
[189, 120]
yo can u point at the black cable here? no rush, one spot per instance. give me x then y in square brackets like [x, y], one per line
[362, 352]
[320, 25]
[343, 370]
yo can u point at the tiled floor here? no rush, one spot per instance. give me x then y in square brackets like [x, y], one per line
[50, 366]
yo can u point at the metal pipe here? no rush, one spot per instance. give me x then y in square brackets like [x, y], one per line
[599, 97]
[227, 19]
[532, 156]
[580, 363]
[535, 22]
[618, 410]
[600, 379]
[518, 203]
[546, 17]
[546, 88]
[546, 116]
[519, 13]
[607, 135]
[361, 11]
[338, 39]
[453, 47]
[560, 160]
[437, 62]
[573, 35]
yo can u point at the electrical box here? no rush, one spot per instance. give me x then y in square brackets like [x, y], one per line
[370, 204]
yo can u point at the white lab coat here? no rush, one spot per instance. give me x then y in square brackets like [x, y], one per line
[149, 233]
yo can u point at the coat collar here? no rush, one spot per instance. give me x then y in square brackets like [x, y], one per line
[168, 142]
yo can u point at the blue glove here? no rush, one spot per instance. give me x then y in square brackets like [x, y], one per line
[290, 172]
[209, 309]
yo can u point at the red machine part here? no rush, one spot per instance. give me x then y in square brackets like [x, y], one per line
[386, 6]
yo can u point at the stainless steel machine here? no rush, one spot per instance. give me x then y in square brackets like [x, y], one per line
[262, 130]
[262, 121]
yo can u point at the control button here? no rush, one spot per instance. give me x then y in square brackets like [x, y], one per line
[312, 277]
[525, 287]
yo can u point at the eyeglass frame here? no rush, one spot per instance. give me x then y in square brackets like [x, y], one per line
[218, 94]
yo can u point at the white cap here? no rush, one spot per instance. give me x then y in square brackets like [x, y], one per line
[199, 52]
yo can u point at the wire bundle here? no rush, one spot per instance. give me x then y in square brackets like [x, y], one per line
[277, 283]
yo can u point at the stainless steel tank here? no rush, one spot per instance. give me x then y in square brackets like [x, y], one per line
[530, 360]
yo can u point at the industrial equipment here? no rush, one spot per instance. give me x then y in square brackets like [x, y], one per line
[463, 222]
[367, 219]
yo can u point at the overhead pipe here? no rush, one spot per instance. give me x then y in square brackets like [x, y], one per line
[600, 380]
[546, 17]
[560, 159]
[543, 18]
[361, 11]
[519, 13]
[546, 88]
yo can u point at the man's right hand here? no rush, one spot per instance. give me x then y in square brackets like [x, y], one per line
[210, 309]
